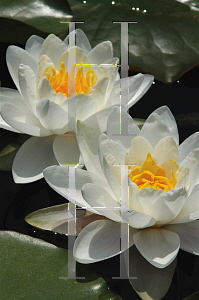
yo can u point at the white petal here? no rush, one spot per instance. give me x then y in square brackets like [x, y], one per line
[169, 167]
[167, 116]
[114, 125]
[85, 106]
[81, 40]
[146, 84]
[144, 198]
[191, 143]
[165, 150]
[98, 92]
[98, 241]
[190, 210]
[154, 129]
[138, 151]
[4, 125]
[130, 190]
[192, 162]
[53, 47]
[113, 174]
[108, 146]
[28, 91]
[100, 53]
[32, 158]
[101, 201]
[16, 56]
[45, 90]
[23, 122]
[99, 119]
[87, 138]
[148, 281]
[73, 55]
[139, 220]
[189, 236]
[158, 246]
[66, 150]
[33, 46]
[58, 179]
[13, 97]
[167, 206]
[53, 117]
[44, 62]
[129, 85]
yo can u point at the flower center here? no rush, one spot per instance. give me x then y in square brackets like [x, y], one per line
[60, 80]
[152, 175]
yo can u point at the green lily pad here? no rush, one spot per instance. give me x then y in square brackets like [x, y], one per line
[44, 15]
[34, 269]
[194, 296]
[162, 42]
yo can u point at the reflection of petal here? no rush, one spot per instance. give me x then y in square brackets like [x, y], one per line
[158, 246]
[152, 283]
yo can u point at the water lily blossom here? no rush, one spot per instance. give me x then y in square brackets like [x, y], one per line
[56, 86]
[161, 198]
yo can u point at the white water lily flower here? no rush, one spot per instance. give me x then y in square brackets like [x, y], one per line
[53, 78]
[163, 183]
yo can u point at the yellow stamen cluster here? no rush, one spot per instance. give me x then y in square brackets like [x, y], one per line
[60, 80]
[152, 175]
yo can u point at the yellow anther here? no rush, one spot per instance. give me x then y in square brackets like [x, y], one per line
[152, 175]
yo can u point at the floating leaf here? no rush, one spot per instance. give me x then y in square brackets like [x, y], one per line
[44, 15]
[194, 296]
[162, 42]
[33, 269]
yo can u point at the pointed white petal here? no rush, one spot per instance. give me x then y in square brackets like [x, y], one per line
[139, 221]
[100, 53]
[165, 150]
[190, 210]
[99, 119]
[73, 55]
[33, 46]
[113, 174]
[13, 97]
[189, 235]
[81, 40]
[4, 125]
[191, 143]
[98, 92]
[98, 241]
[16, 56]
[167, 206]
[108, 146]
[23, 122]
[85, 107]
[58, 179]
[44, 62]
[154, 129]
[158, 246]
[87, 138]
[144, 198]
[146, 84]
[66, 150]
[138, 151]
[45, 90]
[101, 201]
[27, 83]
[32, 158]
[114, 125]
[167, 116]
[191, 162]
[53, 47]
[148, 281]
[53, 117]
